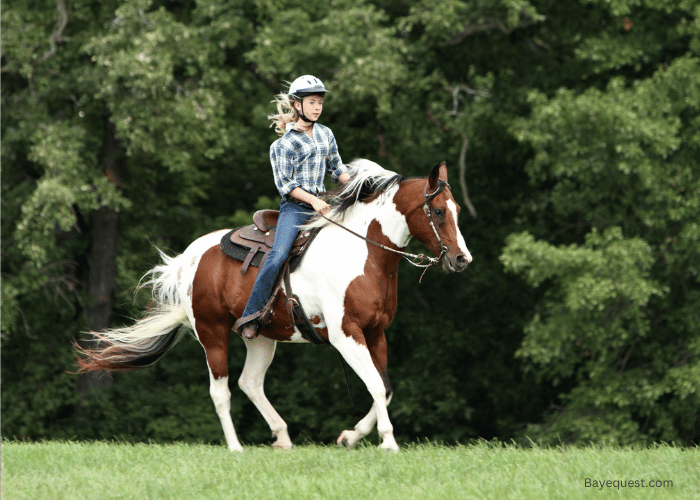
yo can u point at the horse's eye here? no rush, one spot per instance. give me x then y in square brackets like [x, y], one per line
[439, 212]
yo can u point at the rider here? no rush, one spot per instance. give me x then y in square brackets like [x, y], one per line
[300, 158]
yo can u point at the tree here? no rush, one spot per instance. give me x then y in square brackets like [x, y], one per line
[615, 169]
[93, 128]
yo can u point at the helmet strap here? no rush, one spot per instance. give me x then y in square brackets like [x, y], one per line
[301, 113]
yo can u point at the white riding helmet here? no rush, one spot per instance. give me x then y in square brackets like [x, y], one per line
[306, 85]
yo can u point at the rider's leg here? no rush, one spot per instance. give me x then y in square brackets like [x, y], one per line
[291, 216]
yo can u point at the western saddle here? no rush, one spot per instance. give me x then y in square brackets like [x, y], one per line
[251, 245]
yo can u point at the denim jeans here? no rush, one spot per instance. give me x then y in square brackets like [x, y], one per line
[291, 216]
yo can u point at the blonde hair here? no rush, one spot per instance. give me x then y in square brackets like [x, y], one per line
[285, 113]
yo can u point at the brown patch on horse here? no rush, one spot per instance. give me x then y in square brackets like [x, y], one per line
[371, 299]
[213, 320]
[221, 293]
[316, 320]
[322, 332]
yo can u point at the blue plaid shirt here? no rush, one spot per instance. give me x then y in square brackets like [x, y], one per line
[299, 160]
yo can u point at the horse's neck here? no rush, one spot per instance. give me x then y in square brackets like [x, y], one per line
[383, 210]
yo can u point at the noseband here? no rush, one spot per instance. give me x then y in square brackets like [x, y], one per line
[415, 259]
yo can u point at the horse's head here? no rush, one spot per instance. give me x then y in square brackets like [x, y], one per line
[434, 221]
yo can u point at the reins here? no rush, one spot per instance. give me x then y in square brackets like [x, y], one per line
[416, 260]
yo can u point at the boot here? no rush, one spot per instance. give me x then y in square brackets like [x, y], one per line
[250, 330]
[247, 327]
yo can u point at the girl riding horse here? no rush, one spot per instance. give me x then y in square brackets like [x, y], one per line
[300, 158]
[203, 290]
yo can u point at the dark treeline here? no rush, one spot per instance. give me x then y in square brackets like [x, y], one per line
[570, 130]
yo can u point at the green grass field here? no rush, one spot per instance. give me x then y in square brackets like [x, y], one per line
[99, 471]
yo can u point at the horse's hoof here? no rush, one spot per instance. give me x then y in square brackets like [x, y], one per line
[389, 444]
[348, 439]
[278, 445]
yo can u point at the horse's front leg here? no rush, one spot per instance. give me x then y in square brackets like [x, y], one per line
[370, 363]
[350, 438]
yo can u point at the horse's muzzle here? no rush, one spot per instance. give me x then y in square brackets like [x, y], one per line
[456, 263]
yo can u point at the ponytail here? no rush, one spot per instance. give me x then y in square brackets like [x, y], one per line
[285, 113]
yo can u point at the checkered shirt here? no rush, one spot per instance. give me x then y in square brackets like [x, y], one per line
[299, 160]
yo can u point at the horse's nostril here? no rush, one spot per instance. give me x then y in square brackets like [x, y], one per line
[462, 261]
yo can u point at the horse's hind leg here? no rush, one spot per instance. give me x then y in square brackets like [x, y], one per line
[261, 350]
[214, 338]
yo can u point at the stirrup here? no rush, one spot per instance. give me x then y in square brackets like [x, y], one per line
[248, 323]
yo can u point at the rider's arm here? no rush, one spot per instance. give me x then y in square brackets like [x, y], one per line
[317, 203]
[283, 160]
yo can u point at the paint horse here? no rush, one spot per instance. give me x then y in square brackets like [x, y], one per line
[346, 284]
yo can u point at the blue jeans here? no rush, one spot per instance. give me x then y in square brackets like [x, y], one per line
[291, 216]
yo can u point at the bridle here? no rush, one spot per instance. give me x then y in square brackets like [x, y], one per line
[442, 184]
[415, 259]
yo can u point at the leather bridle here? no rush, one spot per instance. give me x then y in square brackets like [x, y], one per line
[415, 259]
[442, 184]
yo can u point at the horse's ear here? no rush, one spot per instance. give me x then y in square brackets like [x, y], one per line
[439, 171]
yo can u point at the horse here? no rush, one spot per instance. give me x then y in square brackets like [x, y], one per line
[346, 282]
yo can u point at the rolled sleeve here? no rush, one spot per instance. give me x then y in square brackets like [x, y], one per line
[282, 161]
[334, 165]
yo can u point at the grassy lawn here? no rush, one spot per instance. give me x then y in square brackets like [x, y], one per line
[98, 471]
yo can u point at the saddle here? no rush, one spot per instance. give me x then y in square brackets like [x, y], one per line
[251, 245]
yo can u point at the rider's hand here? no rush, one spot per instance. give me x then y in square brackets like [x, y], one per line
[321, 206]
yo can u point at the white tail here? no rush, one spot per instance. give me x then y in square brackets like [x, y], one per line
[148, 339]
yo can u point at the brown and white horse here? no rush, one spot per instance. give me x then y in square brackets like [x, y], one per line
[346, 285]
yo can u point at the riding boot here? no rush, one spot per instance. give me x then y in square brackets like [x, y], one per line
[247, 326]
[250, 330]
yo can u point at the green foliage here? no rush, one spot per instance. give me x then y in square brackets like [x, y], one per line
[166, 102]
[576, 127]
[354, 42]
[615, 170]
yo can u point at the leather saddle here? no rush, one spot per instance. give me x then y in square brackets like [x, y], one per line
[251, 244]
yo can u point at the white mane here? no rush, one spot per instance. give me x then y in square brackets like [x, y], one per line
[366, 179]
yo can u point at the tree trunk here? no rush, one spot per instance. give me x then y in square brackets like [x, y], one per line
[100, 283]
[99, 276]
